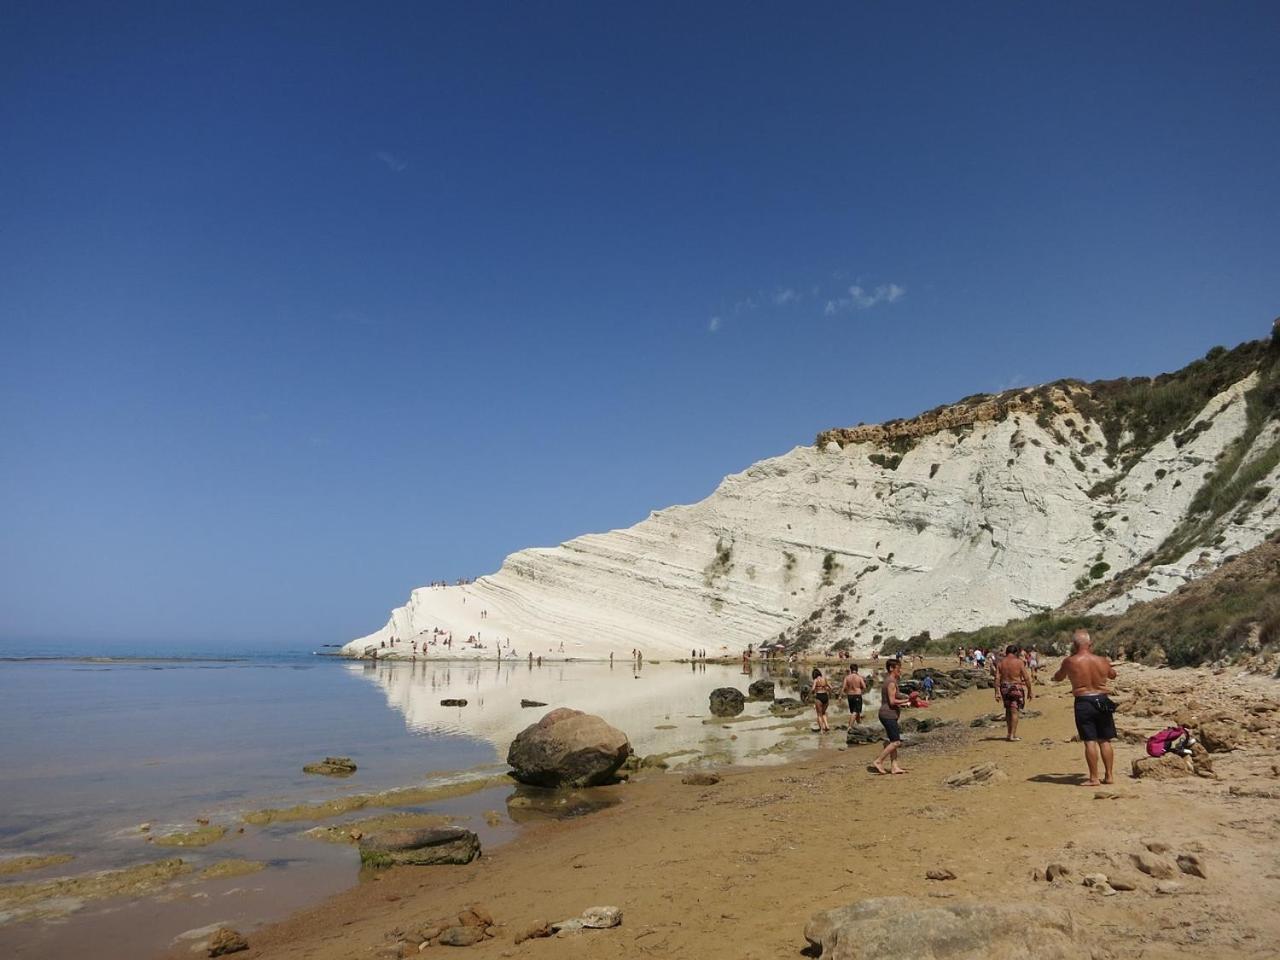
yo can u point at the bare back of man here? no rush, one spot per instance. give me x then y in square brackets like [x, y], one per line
[1013, 689]
[1090, 676]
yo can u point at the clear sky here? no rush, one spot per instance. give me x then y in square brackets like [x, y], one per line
[303, 305]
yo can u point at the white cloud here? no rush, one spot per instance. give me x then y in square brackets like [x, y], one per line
[861, 299]
[783, 297]
[713, 324]
[394, 164]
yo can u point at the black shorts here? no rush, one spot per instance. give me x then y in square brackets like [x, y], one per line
[891, 731]
[822, 698]
[855, 703]
[1095, 718]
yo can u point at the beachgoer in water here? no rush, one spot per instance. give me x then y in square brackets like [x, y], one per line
[1013, 689]
[821, 698]
[853, 688]
[890, 705]
[1094, 710]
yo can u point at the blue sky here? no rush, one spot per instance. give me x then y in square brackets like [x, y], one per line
[304, 305]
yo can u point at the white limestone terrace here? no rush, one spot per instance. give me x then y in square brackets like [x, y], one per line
[976, 525]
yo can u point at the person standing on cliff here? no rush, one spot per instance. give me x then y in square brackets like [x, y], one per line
[1090, 677]
[890, 705]
[1013, 688]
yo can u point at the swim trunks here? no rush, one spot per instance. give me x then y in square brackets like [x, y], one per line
[889, 720]
[1095, 717]
[855, 703]
[1013, 695]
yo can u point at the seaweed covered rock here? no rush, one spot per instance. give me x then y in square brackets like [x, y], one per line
[727, 702]
[420, 847]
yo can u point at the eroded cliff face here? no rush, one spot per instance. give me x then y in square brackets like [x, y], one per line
[967, 516]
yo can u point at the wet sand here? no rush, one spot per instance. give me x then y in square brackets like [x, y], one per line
[735, 869]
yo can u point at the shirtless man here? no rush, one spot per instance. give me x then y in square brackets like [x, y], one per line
[854, 686]
[1013, 688]
[1095, 713]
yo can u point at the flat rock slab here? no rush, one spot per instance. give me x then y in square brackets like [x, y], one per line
[700, 779]
[422, 847]
[882, 927]
[984, 773]
[453, 702]
[1169, 767]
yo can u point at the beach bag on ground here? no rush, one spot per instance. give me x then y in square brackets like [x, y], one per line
[1169, 740]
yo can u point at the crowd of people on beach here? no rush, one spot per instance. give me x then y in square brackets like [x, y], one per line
[1014, 675]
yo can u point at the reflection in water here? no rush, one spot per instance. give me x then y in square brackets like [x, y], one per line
[661, 707]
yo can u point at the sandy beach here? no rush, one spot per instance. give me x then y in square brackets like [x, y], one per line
[735, 869]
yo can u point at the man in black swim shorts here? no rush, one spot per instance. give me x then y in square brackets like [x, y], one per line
[1090, 675]
[854, 686]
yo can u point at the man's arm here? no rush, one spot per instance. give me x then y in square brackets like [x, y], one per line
[1062, 671]
[1111, 670]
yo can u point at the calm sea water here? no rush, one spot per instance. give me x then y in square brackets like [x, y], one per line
[91, 749]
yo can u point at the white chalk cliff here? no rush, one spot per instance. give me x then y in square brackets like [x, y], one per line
[974, 514]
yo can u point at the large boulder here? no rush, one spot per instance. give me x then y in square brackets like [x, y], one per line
[419, 847]
[762, 689]
[727, 701]
[568, 748]
[958, 931]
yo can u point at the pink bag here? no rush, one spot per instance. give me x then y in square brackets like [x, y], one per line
[1166, 741]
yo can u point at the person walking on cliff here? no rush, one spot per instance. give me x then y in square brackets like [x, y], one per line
[1090, 677]
[891, 703]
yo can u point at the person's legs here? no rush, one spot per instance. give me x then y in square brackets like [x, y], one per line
[1012, 719]
[1091, 761]
[878, 762]
[893, 756]
[1108, 760]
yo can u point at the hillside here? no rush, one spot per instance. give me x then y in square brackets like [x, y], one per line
[995, 508]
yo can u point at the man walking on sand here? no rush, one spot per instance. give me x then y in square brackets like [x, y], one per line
[1013, 688]
[890, 705]
[1095, 712]
[854, 687]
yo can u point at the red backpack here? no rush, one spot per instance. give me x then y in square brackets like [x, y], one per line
[1168, 740]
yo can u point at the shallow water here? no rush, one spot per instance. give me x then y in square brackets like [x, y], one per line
[91, 750]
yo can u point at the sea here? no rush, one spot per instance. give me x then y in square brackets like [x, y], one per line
[104, 750]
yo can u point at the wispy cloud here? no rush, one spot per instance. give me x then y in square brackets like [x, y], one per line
[785, 296]
[713, 324]
[860, 299]
[394, 163]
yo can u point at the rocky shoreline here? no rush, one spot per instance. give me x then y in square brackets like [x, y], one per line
[734, 863]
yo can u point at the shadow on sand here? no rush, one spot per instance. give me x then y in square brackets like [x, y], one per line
[1061, 779]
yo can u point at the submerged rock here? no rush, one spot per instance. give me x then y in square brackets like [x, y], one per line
[568, 748]
[453, 702]
[332, 767]
[876, 928]
[727, 702]
[425, 847]
[762, 689]
[192, 838]
[227, 941]
[532, 703]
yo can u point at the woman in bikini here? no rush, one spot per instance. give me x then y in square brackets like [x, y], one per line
[821, 697]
